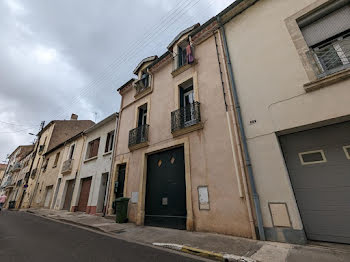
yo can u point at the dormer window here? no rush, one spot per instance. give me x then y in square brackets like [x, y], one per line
[143, 85]
[144, 81]
[184, 54]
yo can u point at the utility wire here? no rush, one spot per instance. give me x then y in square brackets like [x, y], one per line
[16, 131]
[140, 44]
[15, 124]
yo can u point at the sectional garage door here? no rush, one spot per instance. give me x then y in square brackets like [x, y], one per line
[318, 163]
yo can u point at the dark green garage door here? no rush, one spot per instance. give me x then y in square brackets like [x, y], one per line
[318, 163]
[166, 190]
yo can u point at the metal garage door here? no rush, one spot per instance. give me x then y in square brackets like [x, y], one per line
[165, 190]
[318, 162]
[84, 194]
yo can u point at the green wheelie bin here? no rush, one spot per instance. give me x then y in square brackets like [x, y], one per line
[122, 209]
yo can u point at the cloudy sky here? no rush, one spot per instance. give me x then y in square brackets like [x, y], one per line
[63, 57]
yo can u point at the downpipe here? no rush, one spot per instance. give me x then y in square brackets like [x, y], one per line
[111, 172]
[248, 164]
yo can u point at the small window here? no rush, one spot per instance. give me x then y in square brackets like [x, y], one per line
[92, 149]
[347, 151]
[46, 164]
[71, 152]
[312, 157]
[109, 142]
[56, 159]
[142, 118]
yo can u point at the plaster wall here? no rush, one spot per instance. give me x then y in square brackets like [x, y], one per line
[94, 167]
[209, 149]
[267, 54]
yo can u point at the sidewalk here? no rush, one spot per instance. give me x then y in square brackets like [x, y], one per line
[252, 249]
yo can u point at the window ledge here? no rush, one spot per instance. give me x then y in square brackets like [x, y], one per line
[327, 80]
[188, 129]
[90, 159]
[143, 93]
[107, 153]
[183, 68]
[138, 146]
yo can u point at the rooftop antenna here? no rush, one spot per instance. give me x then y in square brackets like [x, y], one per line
[95, 113]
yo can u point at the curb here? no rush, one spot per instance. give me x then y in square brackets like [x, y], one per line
[67, 221]
[205, 253]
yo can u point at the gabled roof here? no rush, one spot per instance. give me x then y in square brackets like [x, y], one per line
[187, 30]
[126, 84]
[145, 60]
[65, 129]
[23, 148]
[102, 122]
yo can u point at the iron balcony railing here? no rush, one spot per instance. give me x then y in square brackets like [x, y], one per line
[67, 166]
[185, 116]
[16, 167]
[138, 135]
[142, 84]
[8, 181]
[331, 57]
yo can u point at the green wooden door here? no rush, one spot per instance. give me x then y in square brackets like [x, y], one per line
[166, 190]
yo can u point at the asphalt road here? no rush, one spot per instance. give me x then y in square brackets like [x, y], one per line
[26, 237]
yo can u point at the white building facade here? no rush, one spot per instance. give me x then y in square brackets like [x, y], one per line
[92, 180]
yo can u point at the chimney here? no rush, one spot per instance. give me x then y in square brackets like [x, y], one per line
[74, 117]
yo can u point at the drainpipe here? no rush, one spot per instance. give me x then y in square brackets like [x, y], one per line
[243, 136]
[107, 195]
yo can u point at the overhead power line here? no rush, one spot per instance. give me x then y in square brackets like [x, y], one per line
[15, 124]
[16, 131]
[137, 47]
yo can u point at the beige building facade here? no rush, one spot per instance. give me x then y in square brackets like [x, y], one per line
[21, 179]
[48, 176]
[177, 151]
[52, 135]
[72, 153]
[290, 63]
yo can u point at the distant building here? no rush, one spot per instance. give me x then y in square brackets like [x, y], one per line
[9, 184]
[2, 171]
[53, 134]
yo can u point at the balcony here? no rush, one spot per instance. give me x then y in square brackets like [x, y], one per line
[67, 167]
[8, 183]
[330, 58]
[138, 137]
[186, 119]
[143, 87]
[34, 171]
[16, 167]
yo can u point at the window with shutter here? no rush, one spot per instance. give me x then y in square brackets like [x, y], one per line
[92, 149]
[327, 33]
